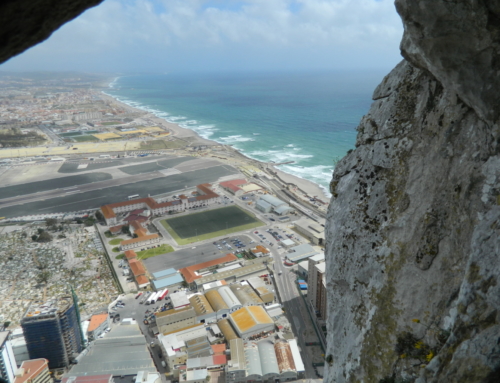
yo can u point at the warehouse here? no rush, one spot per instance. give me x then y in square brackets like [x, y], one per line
[246, 295]
[251, 320]
[218, 304]
[313, 231]
[172, 320]
[301, 252]
[204, 312]
[229, 298]
[267, 203]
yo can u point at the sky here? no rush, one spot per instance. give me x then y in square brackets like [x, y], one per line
[164, 36]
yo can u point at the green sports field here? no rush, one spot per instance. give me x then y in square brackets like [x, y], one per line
[209, 224]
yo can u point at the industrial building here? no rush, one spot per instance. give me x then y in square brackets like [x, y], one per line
[8, 365]
[227, 330]
[264, 361]
[166, 278]
[172, 320]
[204, 311]
[233, 274]
[251, 320]
[52, 331]
[301, 252]
[123, 351]
[267, 204]
[313, 231]
[246, 295]
[174, 346]
[261, 288]
[34, 371]
[193, 273]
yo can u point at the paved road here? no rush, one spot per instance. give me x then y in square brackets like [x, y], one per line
[293, 302]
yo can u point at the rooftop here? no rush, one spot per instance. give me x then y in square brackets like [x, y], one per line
[189, 273]
[250, 316]
[96, 321]
[201, 304]
[30, 369]
[164, 273]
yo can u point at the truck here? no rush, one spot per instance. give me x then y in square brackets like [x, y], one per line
[163, 294]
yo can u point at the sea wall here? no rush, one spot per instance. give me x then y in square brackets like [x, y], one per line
[413, 228]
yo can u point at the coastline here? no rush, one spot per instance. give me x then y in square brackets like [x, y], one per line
[237, 158]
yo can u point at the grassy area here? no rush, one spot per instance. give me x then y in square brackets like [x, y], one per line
[115, 250]
[115, 241]
[120, 256]
[162, 144]
[209, 224]
[84, 138]
[163, 249]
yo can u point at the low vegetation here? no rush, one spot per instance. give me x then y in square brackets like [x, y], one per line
[15, 138]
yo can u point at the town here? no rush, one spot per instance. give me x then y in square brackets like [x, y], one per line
[134, 251]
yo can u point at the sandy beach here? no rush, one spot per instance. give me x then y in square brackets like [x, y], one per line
[237, 158]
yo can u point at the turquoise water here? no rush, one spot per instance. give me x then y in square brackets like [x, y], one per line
[302, 117]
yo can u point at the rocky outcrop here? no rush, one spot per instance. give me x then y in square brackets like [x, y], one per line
[413, 252]
[24, 23]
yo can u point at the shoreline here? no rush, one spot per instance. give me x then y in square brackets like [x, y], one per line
[308, 187]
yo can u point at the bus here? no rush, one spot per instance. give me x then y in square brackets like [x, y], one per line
[134, 196]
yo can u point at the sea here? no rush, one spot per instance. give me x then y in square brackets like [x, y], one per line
[307, 118]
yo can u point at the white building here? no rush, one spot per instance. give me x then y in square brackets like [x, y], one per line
[8, 364]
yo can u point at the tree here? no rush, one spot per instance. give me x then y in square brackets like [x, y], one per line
[135, 235]
[44, 237]
[40, 230]
[50, 222]
[43, 276]
[34, 237]
[6, 324]
[78, 220]
[89, 222]
[126, 229]
[99, 215]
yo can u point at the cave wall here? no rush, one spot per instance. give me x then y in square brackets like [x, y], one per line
[413, 228]
[24, 23]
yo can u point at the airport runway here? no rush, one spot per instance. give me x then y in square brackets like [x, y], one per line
[90, 196]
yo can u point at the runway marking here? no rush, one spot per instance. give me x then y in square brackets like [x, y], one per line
[72, 187]
[73, 192]
[72, 203]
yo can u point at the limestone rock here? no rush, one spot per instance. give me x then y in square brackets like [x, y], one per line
[413, 238]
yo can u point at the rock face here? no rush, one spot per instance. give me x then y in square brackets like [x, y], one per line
[24, 23]
[413, 249]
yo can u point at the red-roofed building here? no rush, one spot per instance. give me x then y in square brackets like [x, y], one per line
[34, 371]
[137, 267]
[219, 349]
[206, 197]
[142, 281]
[233, 186]
[98, 323]
[130, 254]
[219, 360]
[190, 273]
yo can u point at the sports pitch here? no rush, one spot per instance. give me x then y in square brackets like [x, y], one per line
[209, 224]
